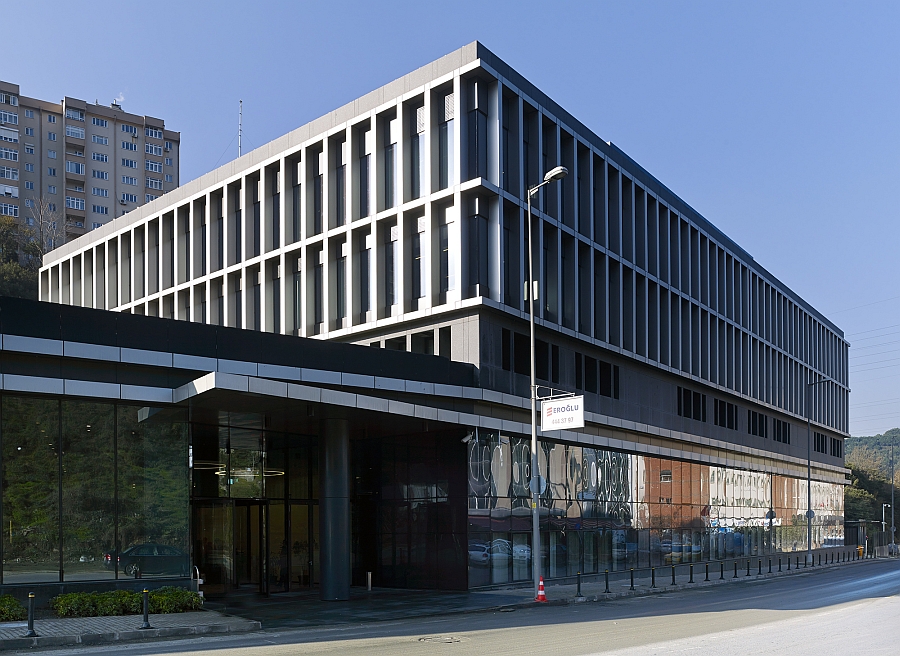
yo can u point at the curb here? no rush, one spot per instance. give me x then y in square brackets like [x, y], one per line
[121, 636]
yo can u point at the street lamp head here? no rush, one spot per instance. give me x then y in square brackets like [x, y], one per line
[557, 173]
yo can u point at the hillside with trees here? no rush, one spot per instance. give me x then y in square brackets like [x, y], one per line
[869, 460]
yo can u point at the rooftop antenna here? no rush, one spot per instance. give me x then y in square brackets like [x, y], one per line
[240, 124]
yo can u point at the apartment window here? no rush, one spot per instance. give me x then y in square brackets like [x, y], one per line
[75, 114]
[9, 153]
[29, 168]
[609, 380]
[100, 191]
[317, 203]
[8, 209]
[51, 189]
[149, 197]
[417, 152]
[129, 180]
[169, 178]
[168, 145]
[51, 154]
[78, 224]
[153, 132]
[51, 171]
[340, 188]
[100, 209]
[97, 139]
[100, 157]
[168, 161]
[129, 163]
[29, 184]
[781, 431]
[820, 443]
[444, 271]
[318, 310]
[99, 122]
[9, 99]
[9, 117]
[78, 188]
[341, 290]
[151, 149]
[389, 170]
[665, 475]
[9, 173]
[29, 150]
[691, 404]
[74, 167]
[51, 118]
[51, 136]
[364, 185]
[29, 132]
[11, 136]
[153, 167]
[95, 225]
[725, 414]
[29, 113]
[74, 132]
[100, 175]
[391, 264]
[73, 203]
[29, 202]
[837, 447]
[130, 129]
[52, 208]
[418, 290]
[129, 198]
[154, 183]
[757, 423]
[445, 144]
[129, 145]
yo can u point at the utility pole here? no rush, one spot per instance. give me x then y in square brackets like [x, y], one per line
[892, 498]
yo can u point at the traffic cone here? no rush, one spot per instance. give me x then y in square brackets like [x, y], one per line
[541, 597]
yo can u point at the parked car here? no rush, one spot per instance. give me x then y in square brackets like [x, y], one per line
[149, 558]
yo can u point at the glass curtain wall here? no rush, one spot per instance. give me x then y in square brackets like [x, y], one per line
[120, 475]
[610, 510]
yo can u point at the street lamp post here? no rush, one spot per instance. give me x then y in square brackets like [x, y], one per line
[809, 510]
[557, 173]
[892, 500]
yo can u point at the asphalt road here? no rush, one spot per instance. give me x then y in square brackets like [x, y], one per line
[838, 611]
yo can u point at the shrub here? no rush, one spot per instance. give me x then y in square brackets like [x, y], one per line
[124, 602]
[11, 609]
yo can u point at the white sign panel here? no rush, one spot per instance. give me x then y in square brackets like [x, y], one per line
[562, 414]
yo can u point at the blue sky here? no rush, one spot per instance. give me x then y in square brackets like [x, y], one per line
[777, 121]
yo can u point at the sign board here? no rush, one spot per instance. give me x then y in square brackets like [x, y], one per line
[562, 414]
[538, 485]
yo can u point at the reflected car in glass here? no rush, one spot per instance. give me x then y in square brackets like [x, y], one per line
[149, 558]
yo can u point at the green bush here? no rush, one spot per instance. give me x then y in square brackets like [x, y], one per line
[124, 602]
[11, 609]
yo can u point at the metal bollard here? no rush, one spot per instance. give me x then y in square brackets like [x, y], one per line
[779, 563]
[632, 579]
[797, 564]
[707, 571]
[735, 570]
[820, 560]
[30, 633]
[652, 577]
[770, 565]
[789, 563]
[606, 578]
[759, 568]
[369, 581]
[691, 580]
[146, 623]
[578, 587]
[748, 567]
[722, 571]
[673, 574]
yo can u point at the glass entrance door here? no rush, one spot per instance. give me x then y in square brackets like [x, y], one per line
[213, 545]
[250, 545]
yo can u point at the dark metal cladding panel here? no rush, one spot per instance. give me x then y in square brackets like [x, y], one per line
[29, 318]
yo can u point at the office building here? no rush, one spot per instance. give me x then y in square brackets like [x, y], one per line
[397, 222]
[84, 163]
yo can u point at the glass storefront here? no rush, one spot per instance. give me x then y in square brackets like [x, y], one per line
[92, 491]
[610, 510]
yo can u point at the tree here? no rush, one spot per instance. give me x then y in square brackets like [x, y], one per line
[45, 231]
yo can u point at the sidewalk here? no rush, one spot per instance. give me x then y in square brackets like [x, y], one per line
[99, 630]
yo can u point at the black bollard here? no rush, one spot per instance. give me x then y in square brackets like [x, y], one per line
[779, 563]
[578, 591]
[735, 570]
[691, 580]
[759, 568]
[30, 633]
[632, 579]
[789, 563]
[722, 571]
[770, 565]
[673, 574]
[606, 578]
[146, 623]
[652, 577]
[797, 564]
[748, 567]
[707, 571]
[820, 560]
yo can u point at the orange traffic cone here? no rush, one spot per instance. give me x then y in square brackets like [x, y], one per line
[541, 597]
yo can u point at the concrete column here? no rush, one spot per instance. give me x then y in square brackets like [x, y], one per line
[334, 509]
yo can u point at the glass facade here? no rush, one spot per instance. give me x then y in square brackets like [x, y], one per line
[92, 491]
[610, 510]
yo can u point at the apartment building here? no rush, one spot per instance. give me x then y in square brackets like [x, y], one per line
[399, 222]
[87, 163]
